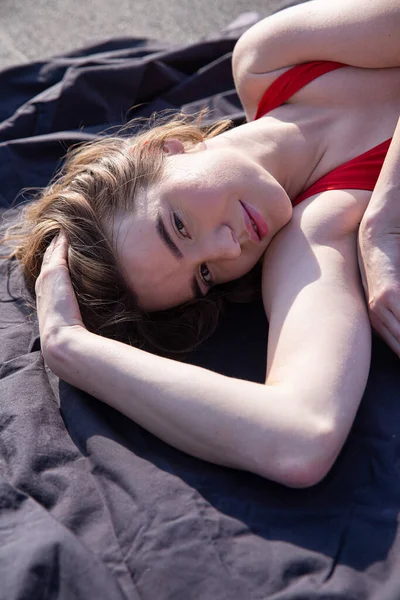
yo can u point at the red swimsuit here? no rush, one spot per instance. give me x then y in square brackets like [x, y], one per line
[360, 173]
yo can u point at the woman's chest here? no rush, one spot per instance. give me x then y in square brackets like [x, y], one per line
[351, 87]
[361, 108]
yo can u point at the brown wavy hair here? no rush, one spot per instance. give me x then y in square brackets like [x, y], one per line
[97, 179]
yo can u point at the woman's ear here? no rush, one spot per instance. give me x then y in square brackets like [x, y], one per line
[173, 146]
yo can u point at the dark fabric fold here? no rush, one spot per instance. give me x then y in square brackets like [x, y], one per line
[93, 506]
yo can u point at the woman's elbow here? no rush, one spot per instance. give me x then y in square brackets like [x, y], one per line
[306, 474]
[306, 464]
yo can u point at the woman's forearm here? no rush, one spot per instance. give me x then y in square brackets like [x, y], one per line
[289, 430]
[227, 421]
[273, 430]
[385, 200]
[379, 249]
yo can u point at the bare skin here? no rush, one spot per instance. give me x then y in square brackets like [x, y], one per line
[292, 428]
[379, 248]
[333, 23]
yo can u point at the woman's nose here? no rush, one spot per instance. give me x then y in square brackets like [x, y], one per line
[222, 244]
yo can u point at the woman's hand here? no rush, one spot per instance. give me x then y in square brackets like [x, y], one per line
[379, 261]
[57, 307]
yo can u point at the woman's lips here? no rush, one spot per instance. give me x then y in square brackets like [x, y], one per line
[251, 215]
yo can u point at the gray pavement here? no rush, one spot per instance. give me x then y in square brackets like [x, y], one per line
[37, 29]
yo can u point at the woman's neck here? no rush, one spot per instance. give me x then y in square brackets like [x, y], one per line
[287, 151]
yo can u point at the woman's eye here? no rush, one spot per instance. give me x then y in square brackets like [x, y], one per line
[206, 275]
[180, 226]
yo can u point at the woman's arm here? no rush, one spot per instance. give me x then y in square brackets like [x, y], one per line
[319, 335]
[288, 430]
[227, 421]
[379, 249]
[360, 33]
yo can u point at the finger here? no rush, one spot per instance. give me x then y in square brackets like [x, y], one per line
[395, 308]
[381, 328]
[60, 238]
[61, 245]
[389, 317]
[393, 324]
[390, 340]
[50, 248]
[56, 250]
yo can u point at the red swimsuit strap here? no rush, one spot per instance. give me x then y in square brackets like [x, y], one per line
[360, 173]
[291, 82]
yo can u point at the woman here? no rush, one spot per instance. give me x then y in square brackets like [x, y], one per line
[206, 216]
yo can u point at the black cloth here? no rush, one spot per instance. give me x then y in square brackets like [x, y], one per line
[92, 505]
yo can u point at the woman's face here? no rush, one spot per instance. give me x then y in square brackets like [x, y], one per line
[193, 229]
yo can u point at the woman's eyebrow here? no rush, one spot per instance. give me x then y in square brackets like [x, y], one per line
[169, 242]
[166, 238]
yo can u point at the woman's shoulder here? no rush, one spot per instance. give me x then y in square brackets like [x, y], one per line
[324, 219]
[252, 87]
[330, 215]
[322, 229]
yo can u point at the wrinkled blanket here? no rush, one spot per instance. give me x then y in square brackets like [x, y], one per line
[94, 507]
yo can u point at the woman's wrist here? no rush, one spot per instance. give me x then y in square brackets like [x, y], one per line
[383, 211]
[61, 346]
